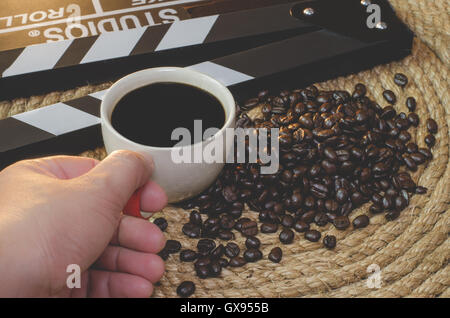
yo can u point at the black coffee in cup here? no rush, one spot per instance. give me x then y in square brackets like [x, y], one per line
[149, 115]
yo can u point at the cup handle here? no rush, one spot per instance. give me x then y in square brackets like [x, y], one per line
[133, 206]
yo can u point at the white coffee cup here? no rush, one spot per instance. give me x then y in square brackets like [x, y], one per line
[179, 180]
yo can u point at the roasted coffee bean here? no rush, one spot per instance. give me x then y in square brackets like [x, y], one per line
[380, 168]
[360, 91]
[319, 190]
[388, 112]
[273, 217]
[404, 194]
[238, 224]
[191, 230]
[186, 289]
[308, 216]
[300, 109]
[385, 184]
[325, 107]
[205, 246]
[286, 236]
[161, 223]
[251, 103]
[404, 181]
[276, 254]
[342, 193]
[432, 126]
[387, 202]
[413, 119]
[249, 228]
[252, 242]
[328, 167]
[287, 221]
[430, 140]
[236, 210]
[392, 215]
[361, 221]
[411, 104]
[301, 226]
[412, 148]
[418, 158]
[195, 218]
[232, 250]
[341, 222]
[402, 115]
[237, 261]
[330, 154]
[404, 136]
[252, 255]
[218, 251]
[377, 199]
[301, 134]
[296, 200]
[389, 96]
[269, 227]
[264, 215]
[312, 235]
[375, 209]
[229, 193]
[330, 206]
[361, 116]
[202, 261]
[400, 203]
[172, 246]
[402, 123]
[309, 202]
[214, 268]
[227, 222]
[410, 162]
[329, 241]
[426, 152]
[211, 227]
[421, 190]
[321, 219]
[323, 134]
[188, 255]
[202, 271]
[225, 235]
[306, 122]
[357, 198]
[346, 208]
[278, 208]
[164, 254]
[337, 152]
[400, 79]
[391, 192]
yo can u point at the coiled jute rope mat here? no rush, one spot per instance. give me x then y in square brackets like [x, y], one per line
[412, 252]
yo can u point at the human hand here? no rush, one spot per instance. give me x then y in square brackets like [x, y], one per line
[63, 210]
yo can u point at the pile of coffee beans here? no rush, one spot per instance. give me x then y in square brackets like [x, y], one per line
[338, 151]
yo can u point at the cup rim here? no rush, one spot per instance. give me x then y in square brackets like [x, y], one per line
[228, 96]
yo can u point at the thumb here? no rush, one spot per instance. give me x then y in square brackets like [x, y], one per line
[118, 176]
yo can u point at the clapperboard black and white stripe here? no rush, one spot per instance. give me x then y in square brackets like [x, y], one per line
[114, 45]
[73, 126]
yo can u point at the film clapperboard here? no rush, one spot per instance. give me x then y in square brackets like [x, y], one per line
[275, 46]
